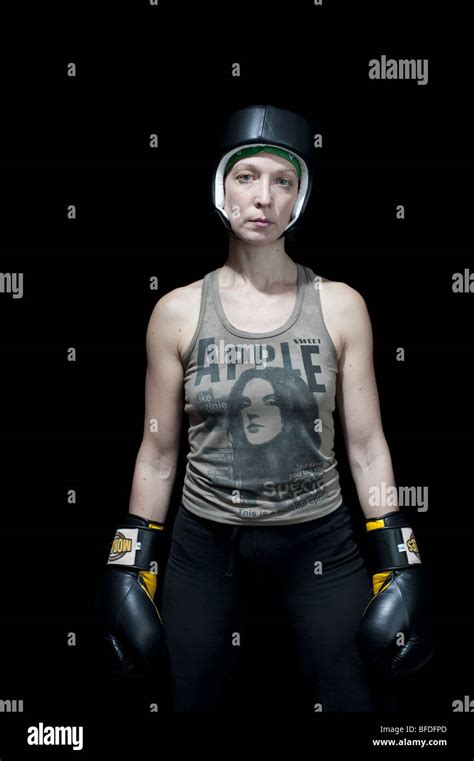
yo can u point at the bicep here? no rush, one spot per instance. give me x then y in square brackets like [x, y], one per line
[357, 394]
[163, 387]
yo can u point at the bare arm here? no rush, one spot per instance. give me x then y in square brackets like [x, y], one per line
[155, 467]
[359, 409]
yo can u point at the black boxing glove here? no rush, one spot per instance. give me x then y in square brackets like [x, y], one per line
[133, 634]
[393, 635]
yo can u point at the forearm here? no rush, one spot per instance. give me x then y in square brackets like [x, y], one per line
[373, 477]
[151, 489]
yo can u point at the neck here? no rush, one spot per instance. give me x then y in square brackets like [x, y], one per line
[261, 265]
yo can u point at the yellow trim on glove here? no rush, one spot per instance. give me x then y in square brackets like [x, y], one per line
[371, 525]
[378, 580]
[150, 582]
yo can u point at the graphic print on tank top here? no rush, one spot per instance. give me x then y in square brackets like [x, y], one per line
[260, 412]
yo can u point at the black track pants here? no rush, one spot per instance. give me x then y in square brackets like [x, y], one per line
[311, 573]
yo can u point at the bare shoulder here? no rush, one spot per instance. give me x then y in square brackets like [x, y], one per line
[340, 304]
[342, 294]
[340, 299]
[177, 313]
[179, 300]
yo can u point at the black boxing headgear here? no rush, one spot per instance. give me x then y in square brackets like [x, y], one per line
[265, 125]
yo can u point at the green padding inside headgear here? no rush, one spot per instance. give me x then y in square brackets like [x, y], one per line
[253, 149]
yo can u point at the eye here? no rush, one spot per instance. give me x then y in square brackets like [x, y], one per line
[270, 400]
[285, 179]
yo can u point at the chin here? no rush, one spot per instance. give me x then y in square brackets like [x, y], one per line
[257, 236]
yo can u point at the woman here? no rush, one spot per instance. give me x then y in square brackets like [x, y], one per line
[270, 419]
[261, 346]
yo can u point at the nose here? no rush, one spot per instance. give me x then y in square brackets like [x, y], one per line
[263, 195]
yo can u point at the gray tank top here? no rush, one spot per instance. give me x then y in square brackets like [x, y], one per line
[260, 407]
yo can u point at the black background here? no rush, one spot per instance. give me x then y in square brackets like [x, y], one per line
[146, 212]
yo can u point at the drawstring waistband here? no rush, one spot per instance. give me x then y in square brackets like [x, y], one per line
[233, 551]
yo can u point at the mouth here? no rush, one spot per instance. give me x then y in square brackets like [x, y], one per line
[261, 221]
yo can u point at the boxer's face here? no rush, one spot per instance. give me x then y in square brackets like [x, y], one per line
[260, 186]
